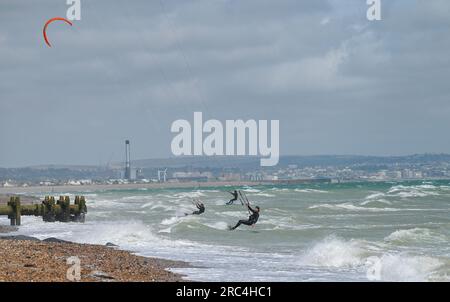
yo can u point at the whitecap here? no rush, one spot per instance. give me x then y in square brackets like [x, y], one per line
[352, 207]
[401, 267]
[334, 252]
[219, 225]
[414, 235]
[309, 191]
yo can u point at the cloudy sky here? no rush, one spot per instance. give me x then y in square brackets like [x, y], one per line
[338, 83]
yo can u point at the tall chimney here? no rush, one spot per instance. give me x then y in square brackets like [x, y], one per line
[127, 160]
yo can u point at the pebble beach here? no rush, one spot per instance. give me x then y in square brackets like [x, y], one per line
[32, 260]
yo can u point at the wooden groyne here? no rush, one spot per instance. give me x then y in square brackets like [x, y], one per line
[51, 211]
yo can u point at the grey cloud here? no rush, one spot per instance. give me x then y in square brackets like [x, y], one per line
[338, 83]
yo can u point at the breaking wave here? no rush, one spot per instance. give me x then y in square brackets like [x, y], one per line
[377, 263]
[309, 191]
[334, 252]
[403, 267]
[413, 191]
[414, 235]
[351, 207]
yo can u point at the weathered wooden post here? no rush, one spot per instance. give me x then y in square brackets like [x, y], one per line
[83, 207]
[48, 214]
[66, 209]
[15, 213]
[11, 216]
[80, 209]
[61, 212]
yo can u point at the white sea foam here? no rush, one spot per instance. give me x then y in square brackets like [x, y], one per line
[413, 191]
[279, 189]
[264, 194]
[148, 204]
[334, 252]
[219, 225]
[379, 264]
[189, 195]
[166, 230]
[352, 207]
[251, 190]
[402, 267]
[375, 195]
[107, 203]
[309, 191]
[159, 205]
[171, 220]
[180, 217]
[375, 201]
[414, 235]
[98, 232]
[136, 198]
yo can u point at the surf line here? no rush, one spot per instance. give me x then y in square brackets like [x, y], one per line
[236, 139]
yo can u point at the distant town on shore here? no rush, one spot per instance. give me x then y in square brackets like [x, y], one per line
[323, 168]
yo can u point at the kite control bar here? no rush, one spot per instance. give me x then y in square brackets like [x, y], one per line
[243, 198]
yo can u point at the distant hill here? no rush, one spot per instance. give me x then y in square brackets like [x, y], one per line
[343, 160]
[200, 162]
[254, 161]
[302, 161]
[217, 164]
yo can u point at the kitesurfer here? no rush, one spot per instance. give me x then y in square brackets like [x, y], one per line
[252, 219]
[200, 206]
[235, 197]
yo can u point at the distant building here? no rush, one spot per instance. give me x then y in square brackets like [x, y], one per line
[134, 174]
[127, 174]
[407, 173]
[230, 177]
[7, 184]
[394, 174]
[192, 176]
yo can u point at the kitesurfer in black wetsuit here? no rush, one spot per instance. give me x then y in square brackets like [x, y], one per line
[252, 219]
[235, 197]
[200, 206]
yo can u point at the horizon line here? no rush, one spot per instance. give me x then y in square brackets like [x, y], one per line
[221, 157]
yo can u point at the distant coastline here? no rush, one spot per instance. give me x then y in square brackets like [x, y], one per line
[158, 185]
[5, 191]
[129, 186]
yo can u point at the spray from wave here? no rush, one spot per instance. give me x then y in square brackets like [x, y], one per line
[379, 264]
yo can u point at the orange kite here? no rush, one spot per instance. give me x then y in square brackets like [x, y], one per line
[50, 21]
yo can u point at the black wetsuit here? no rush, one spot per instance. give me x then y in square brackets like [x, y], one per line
[201, 209]
[235, 197]
[252, 219]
